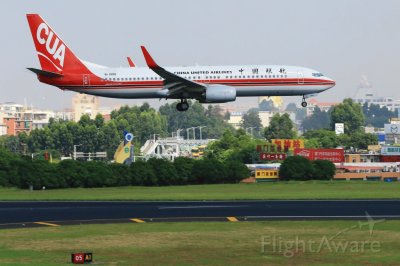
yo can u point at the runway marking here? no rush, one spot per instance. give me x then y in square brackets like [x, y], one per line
[198, 207]
[136, 220]
[232, 219]
[48, 224]
[322, 216]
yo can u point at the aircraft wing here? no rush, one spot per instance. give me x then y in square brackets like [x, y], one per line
[174, 83]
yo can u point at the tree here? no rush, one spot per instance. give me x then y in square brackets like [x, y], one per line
[280, 127]
[317, 120]
[300, 113]
[208, 171]
[251, 119]
[323, 170]
[99, 121]
[358, 140]
[377, 116]
[267, 105]
[322, 138]
[143, 173]
[183, 166]
[74, 172]
[236, 171]
[296, 168]
[237, 146]
[165, 170]
[197, 115]
[350, 113]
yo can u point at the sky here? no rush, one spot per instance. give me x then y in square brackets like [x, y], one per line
[344, 39]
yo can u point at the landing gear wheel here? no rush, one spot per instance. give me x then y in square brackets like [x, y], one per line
[182, 106]
[185, 106]
[304, 103]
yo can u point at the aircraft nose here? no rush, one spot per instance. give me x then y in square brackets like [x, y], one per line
[331, 82]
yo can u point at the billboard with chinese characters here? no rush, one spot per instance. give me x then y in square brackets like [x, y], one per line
[272, 156]
[333, 155]
[285, 145]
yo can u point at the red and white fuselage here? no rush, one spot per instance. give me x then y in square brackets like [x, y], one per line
[61, 68]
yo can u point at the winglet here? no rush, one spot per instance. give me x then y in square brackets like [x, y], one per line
[130, 62]
[149, 60]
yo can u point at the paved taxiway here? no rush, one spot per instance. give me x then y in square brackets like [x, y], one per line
[20, 214]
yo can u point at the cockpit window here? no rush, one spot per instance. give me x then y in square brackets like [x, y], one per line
[317, 74]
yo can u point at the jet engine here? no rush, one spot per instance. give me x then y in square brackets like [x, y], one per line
[218, 94]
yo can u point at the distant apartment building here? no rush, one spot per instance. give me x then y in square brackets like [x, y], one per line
[66, 114]
[16, 118]
[16, 126]
[85, 104]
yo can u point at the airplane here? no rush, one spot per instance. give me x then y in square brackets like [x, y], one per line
[60, 67]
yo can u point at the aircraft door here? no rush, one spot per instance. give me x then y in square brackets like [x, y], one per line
[86, 80]
[300, 77]
[205, 78]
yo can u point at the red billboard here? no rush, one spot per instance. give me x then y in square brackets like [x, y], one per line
[390, 158]
[272, 156]
[333, 155]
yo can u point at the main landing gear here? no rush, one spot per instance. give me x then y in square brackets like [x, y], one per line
[182, 106]
[304, 103]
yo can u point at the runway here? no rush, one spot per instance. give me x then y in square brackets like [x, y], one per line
[57, 213]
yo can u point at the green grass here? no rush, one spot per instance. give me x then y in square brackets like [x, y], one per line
[196, 243]
[281, 190]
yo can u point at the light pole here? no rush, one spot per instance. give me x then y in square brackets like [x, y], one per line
[200, 127]
[194, 132]
[251, 130]
[187, 133]
[75, 150]
[178, 132]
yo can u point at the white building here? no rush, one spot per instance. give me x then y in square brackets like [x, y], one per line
[235, 119]
[365, 94]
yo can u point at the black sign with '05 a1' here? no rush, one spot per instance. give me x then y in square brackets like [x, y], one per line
[81, 258]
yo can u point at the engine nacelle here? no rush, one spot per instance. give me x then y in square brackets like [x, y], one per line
[219, 94]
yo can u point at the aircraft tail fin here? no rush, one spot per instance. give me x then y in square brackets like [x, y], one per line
[54, 55]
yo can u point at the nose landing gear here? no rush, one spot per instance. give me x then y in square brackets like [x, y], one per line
[182, 106]
[304, 103]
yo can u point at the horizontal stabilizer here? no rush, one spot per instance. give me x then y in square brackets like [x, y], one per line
[45, 73]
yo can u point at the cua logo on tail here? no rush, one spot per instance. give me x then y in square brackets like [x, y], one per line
[55, 48]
